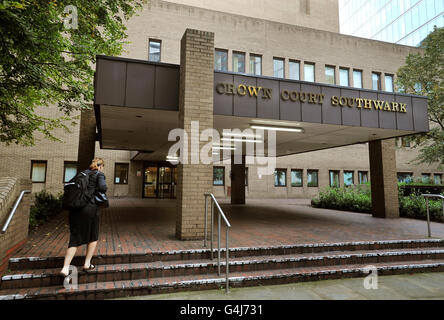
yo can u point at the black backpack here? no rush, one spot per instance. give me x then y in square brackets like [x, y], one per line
[76, 195]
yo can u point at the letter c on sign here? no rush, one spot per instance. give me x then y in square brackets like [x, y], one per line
[220, 88]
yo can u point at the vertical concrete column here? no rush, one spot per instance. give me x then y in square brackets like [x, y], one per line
[384, 184]
[238, 181]
[87, 139]
[195, 104]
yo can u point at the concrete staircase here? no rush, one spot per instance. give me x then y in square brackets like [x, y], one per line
[165, 272]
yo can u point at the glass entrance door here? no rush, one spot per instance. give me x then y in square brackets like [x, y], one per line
[150, 183]
[160, 182]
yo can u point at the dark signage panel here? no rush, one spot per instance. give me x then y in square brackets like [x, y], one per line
[283, 99]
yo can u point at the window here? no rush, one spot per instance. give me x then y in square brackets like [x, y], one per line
[405, 142]
[405, 177]
[348, 178]
[426, 178]
[246, 177]
[154, 50]
[121, 173]
[218, 176]
[238, 62]
[376, 81]
[357, 79]
[296, 178]
[280, 178]
[363, 177]
[294, 70]
[343, 77]
[255, 64]
[334, 178]
[221, 60]
[437, 178]
[278, 68]
[330, 75]
[69, 171]
[312, 178]
[38, 171]
[309, 72]
[388, 83]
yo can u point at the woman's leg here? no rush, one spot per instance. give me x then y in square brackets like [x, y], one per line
[89, 253]
[70, 253]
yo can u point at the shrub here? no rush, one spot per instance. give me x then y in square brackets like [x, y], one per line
[45, 206]
[347, 199]
[414, 206]
[359, 200]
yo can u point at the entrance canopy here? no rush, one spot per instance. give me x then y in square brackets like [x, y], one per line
[137, 104]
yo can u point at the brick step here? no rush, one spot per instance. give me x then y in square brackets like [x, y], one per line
[134, 271]
[117, 289]
[26, 263]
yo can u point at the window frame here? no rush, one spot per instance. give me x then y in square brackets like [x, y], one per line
[330, 67]
[339, 178]
[348, 76]
[64, 168]
[115, 171]
[361, 76]
[283, 67]
[309, 172]
[353, 177]
[359, 177]
[274, 176]
[234, 52]
[406, 173]
[246, 176]
[254, 55]
[302, 178]
[314, 71]
[293, 61]
[389, 75]
[220, 50]
[46, 169]
[223, 179]
[379, 81]
[149, 49]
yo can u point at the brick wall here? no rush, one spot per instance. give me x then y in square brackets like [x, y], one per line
[195, 104]
[17, 232]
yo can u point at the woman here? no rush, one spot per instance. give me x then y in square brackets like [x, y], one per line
[84, 223]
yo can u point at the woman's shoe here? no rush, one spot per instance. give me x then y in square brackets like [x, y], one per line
[65, 277]
[90, 268]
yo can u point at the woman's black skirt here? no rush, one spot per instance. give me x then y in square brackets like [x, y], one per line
[83, 226]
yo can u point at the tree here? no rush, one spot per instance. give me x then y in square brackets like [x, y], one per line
[423, 74]
[47, 57]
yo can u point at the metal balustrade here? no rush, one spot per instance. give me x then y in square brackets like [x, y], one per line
[427, 197]
[214, 202]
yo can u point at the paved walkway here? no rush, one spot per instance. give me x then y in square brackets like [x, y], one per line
[144, 225]
[400, 287]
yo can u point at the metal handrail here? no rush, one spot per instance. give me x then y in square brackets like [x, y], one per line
[11, 214]
[227, 223]
[427, 196]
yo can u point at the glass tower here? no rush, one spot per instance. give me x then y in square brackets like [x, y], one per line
[405, 22]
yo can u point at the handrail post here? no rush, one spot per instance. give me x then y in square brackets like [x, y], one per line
[212, 227]
[227, 290]
[206, 221]
[428, 218]
[218, 244]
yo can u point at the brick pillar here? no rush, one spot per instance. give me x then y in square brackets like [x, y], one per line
[195, 104]
[384, 184]
[238, 182]
[87, 139]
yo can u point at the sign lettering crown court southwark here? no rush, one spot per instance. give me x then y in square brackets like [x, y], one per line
[312, 98]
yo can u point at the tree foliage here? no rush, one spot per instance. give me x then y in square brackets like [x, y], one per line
[45, 59]
[423, 74]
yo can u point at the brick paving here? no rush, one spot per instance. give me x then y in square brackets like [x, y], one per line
[147, 225]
